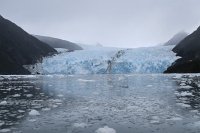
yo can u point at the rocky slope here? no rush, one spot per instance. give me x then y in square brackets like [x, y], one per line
[18, 48]
[59, 43]
[189, 51]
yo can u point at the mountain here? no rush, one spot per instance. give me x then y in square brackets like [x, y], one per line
[189, 51]
[176, 39]
[190, 46]
[18, 48]
[58, 43]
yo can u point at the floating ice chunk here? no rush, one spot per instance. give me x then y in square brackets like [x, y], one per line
[121, 78]
[86, 80]
[4, 111]
[5, 130]
[131, 107]
[149, 85]
[9, 89]
[2, 123]
[80, 125]
[194, 111]
[20, 116]
[196, 124]
[32, 120]
[60, 95]
[16, 95]
[54, 106]
[56, 101]
[155, 120]
[175, 119]
[105, 129]
[178, 76]
[3, 103]
[29, 95]
[183, 80]
[21, 111]
[183, 105]
[182, 84]
[184, 93]
[46, 109]
[17, 132]
[34, 112]
[186, 87]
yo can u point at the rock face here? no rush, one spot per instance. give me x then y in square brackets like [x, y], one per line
[184, 66]
[176, 39]
[18, 48]
[190, 46]
[58, 43]
[189, 51]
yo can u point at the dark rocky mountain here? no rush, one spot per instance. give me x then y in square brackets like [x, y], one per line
[176, 39]
[184, 66]
[58, 43]
[190, 46]
[189, 51]
[18, 48]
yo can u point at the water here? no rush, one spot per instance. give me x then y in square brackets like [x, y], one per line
[84, 103]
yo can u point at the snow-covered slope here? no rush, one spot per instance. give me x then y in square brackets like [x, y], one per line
[109, 60]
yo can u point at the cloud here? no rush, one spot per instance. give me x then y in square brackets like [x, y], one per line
[122, 23]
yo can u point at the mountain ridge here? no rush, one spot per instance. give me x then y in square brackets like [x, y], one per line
[189, 51]
[58, 43]
[18, 48]
[177, 38]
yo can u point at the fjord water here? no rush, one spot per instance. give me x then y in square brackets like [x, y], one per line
[137, 103]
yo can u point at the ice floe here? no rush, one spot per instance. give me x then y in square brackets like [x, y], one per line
[184, 93]
[3, 103]
[34, 112]
[105, 129]
[86, 80]
[184, 105]
[175, 119]
[80, 125]
[186, 87]
[5, 130]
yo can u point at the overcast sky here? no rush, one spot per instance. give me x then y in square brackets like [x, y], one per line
[119, 23]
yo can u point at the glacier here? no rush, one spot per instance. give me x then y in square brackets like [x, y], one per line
[108, 60]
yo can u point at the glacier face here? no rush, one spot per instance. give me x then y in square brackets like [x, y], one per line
[109, 60]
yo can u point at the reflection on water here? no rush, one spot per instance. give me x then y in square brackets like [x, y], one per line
[89, 103]
[20, 95]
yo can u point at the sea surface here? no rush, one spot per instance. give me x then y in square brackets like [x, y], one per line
[125, 103]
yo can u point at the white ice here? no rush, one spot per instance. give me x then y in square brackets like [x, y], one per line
[95, 61]
[34, 112]
[4, 130]
[105, 129]
[80, 125]
[3, 103]
[183, 105]
[186, 87]
[184, 93]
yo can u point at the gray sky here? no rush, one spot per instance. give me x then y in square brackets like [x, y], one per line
[119, 23]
